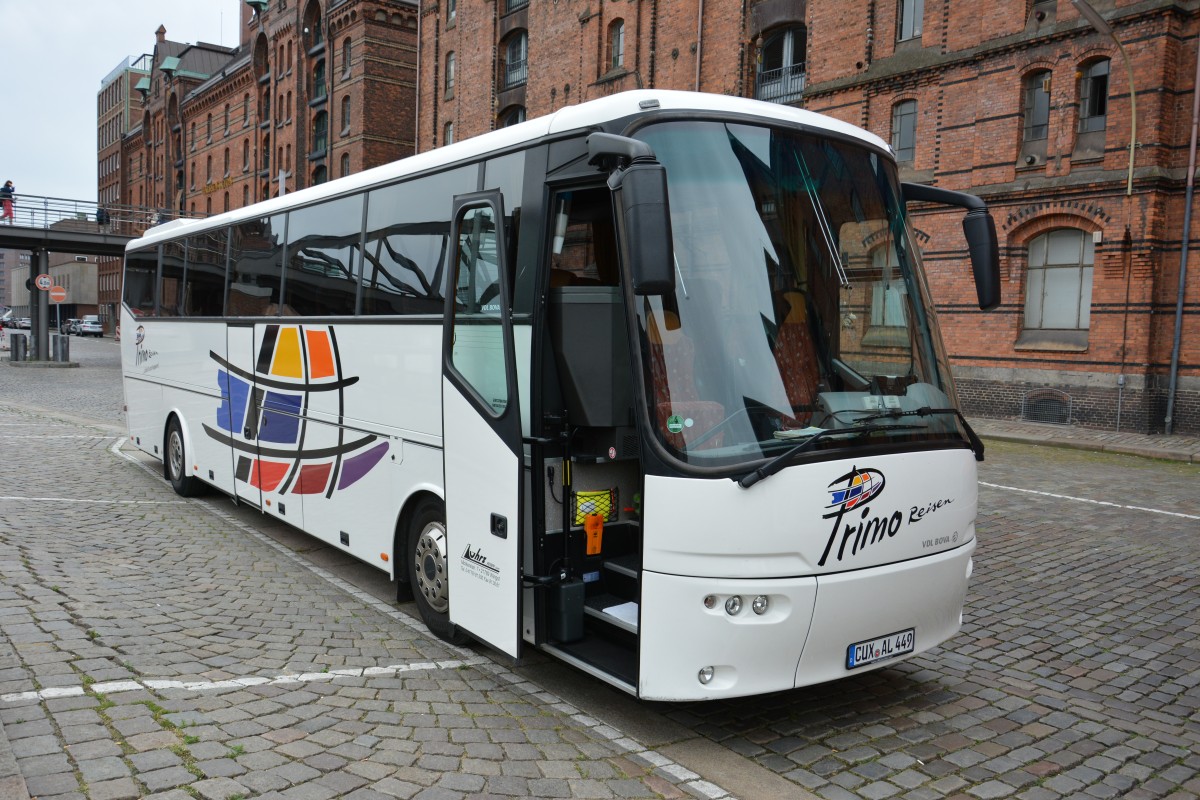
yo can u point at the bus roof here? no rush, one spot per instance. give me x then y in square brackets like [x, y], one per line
[569, 118]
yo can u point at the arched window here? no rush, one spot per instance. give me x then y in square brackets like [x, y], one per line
[448, 133]
[1093, 96]
[226, 201]
[1058, 288]
[345, 114]
[208, 128]
[516, 64]
[208, 169]
[246, 195]
[346, 52]
[319, 175]
[318, 78]
[193, 183]
[246, 110]
[287, 157]
[320, 130]
[345, 165]
[288, 107]
[616, 44]
[227, 117]
[1037, 106]
[193, 143]
[226, 162]
[450, 74]
[512, 116]
[904, 130]
[245, 155]
[781, 65]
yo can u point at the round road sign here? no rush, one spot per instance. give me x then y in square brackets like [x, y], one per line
[57, 294]
[44, 282]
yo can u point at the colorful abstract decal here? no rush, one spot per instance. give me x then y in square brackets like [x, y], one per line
[262, 415]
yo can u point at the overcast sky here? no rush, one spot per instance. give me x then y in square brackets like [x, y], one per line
[55, 55]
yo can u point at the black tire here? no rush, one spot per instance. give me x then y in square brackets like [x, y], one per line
[426, 556]
[175, 463]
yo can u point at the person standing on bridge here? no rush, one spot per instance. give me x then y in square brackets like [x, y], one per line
[6, 202]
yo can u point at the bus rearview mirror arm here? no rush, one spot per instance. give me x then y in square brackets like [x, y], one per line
[638, 183]
[980, 232]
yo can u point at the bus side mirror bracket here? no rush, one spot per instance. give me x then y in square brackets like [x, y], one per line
[980, 232]
[638, 183]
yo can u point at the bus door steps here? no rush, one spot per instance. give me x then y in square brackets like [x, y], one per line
[613, 610]
[622, 576]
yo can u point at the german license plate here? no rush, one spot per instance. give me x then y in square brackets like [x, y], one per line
[860, 654]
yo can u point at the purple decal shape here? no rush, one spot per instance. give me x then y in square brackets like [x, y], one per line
[360, 465]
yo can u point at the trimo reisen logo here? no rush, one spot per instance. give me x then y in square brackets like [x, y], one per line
[850, 492]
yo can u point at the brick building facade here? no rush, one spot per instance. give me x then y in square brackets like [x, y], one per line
[1023, 102]
[316, 89]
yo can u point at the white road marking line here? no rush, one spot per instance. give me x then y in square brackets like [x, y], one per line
[93, 502]
[1088, 500]
[115, 687]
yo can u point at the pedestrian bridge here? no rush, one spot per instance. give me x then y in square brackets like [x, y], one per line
[58, 225]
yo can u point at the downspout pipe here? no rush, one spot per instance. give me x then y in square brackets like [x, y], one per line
[699, 42]
[1183, 249]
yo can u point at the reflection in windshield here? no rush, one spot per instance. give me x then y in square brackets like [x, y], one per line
[799, 304]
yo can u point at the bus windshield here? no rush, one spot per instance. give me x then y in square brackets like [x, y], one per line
[800, 303]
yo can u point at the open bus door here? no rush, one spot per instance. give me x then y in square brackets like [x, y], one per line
[481, 430]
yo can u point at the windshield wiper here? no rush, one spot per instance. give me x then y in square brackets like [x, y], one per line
[926, 411]
[780, 461]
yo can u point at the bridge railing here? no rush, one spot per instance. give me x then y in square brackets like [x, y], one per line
[33, 211]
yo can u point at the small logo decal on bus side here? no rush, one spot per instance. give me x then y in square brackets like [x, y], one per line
[476, 563]
[263, 415]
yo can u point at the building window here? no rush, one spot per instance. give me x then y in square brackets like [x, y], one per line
[345, 165]
[616, 44]
[345, 115]
[208, 128]
[320, 132]
[288, 108]
[450, 75]
[516, 65]
[1058, 292]
[514, 5]
[451, 11]
[246, 195]
[1037, 106]
[346, 58]
[245, 155]
[319, 175]
[208, 170]
[245, 110]
[227, 118]
[911, 13]
[193, 183]
[193, 144]
[226, 201]
[1093, 97]
[448, 133]
[318, 87]
[226, 162]
[512, 116]
[781, 66]
[904, 130]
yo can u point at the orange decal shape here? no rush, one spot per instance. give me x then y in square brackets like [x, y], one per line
[313, 479]
[287, 354]
[266, 475]
[320, 354]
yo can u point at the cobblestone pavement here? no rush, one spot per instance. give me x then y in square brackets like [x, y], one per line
[175, 650]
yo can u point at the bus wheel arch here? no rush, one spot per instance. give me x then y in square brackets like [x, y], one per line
[175, 458]
[422, 544]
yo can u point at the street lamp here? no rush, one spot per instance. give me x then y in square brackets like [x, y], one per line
[1101, 26]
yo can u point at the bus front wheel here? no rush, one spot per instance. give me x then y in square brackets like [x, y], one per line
[175, 457]
[427, 570]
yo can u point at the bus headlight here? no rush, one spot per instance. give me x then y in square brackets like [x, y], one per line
[710, 601]
[760, 604]
[706, 674]
[733, 605]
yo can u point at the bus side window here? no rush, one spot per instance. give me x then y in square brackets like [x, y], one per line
[255, 268]
[584, 249]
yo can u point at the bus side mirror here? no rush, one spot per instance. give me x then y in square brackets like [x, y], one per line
[639, 189]
[980, 232]
[644, 226]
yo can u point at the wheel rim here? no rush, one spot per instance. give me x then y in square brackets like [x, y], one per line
[430, 559]
[175, 454]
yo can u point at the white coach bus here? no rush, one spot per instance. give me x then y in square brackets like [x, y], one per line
[653, 384]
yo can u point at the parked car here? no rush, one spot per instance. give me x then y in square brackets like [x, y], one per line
[69, 326]
[90, 326]
[23, 322]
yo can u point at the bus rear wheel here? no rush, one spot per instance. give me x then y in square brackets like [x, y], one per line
[427, 570]
[175, 458]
